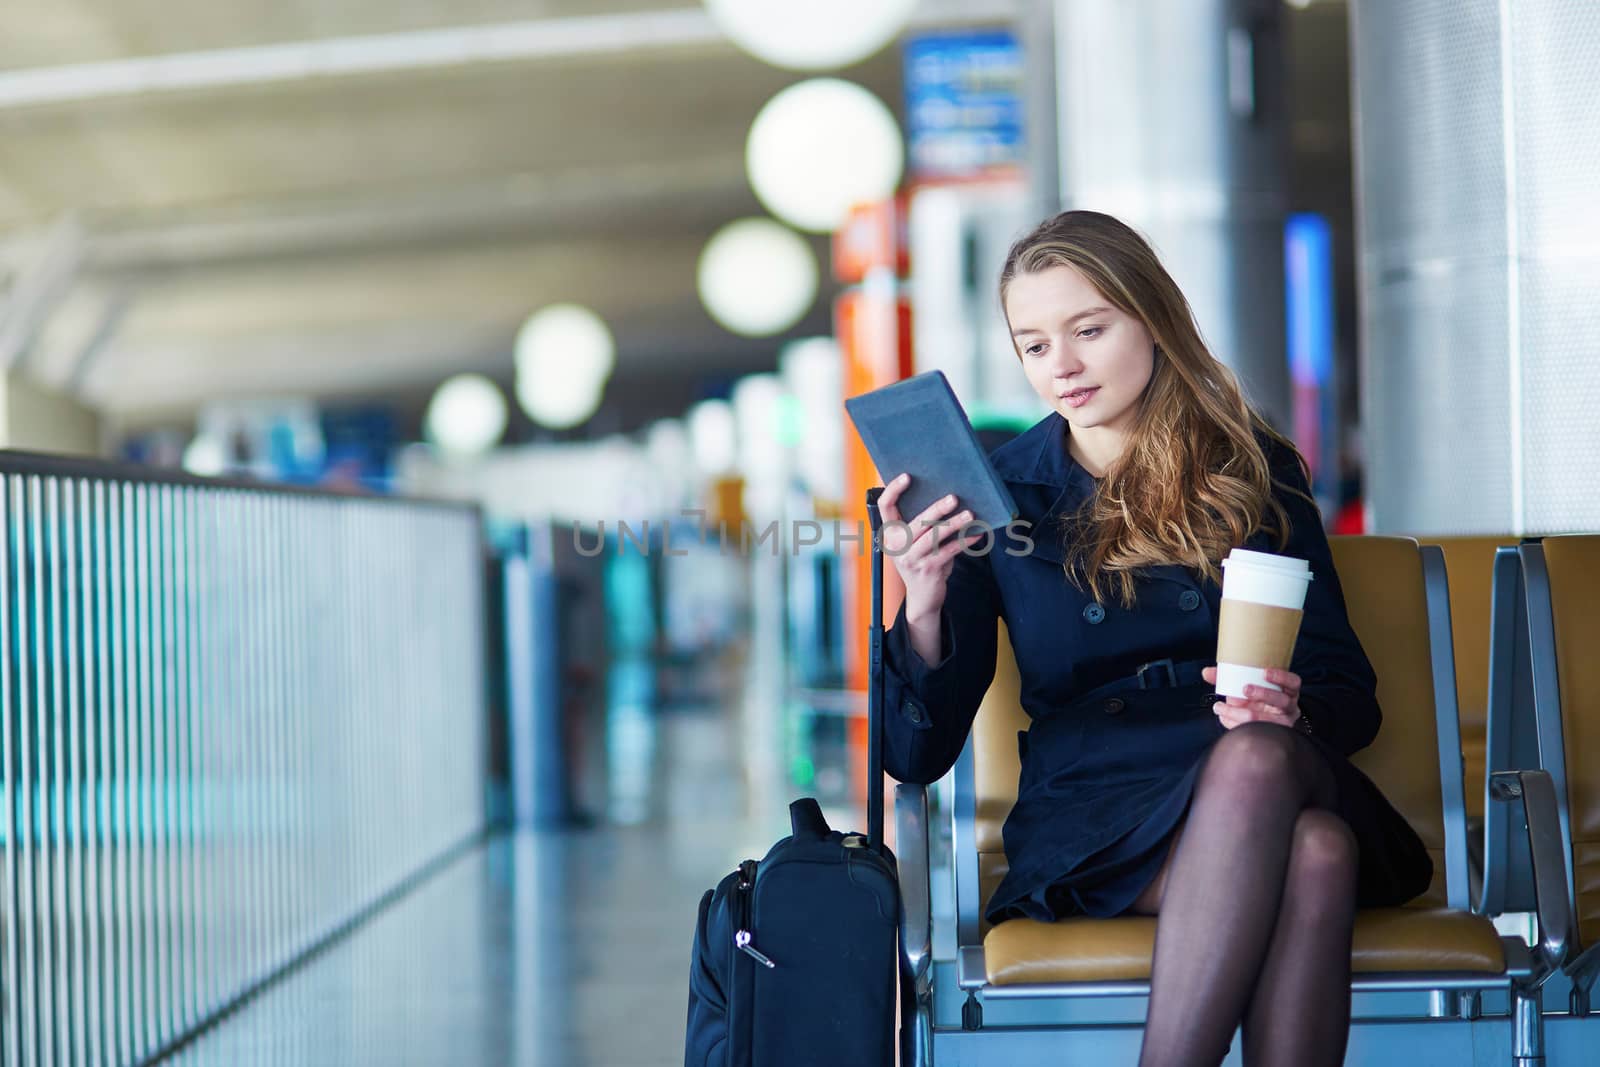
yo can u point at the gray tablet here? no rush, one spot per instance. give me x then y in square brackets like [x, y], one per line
[918, 427]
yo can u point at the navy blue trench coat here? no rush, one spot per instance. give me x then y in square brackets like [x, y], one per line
[1112, 753]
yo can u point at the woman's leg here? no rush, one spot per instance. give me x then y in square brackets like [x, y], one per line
[1300, 1013]
[1221, 888]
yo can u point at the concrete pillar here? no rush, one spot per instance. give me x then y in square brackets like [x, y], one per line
[1170, 115]
[1479, 257]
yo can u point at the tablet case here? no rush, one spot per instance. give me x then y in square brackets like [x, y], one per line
[918, 427]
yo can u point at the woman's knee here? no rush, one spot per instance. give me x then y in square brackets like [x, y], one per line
[1257, 756]
[1324, 854]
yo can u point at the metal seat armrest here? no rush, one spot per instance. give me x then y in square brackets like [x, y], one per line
[916, 915]
[1583, 967]
[1537, 794]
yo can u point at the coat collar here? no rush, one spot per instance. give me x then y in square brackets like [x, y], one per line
[1039, 456]
[1046, 483]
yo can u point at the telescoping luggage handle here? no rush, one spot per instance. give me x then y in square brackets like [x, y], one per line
[875, 680]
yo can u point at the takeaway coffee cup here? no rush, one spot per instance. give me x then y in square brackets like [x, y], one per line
[1263, 596]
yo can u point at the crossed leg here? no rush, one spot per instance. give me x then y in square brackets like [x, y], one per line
[1256, 902]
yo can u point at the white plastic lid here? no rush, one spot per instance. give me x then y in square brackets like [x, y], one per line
[1269, 560]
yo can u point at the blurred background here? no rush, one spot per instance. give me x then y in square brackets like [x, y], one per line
[605, 271]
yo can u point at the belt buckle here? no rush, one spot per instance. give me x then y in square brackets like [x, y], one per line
[1154, 665]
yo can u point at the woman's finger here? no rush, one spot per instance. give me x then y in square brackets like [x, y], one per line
[926, 546]
[938, 532]
[939, 558]
[1287, 680]
[897, 539]
[1261, 707]
[934, 512]
[1232, 715]
[940, 528]
[889, 499]
[1271, 697]
[948, 550]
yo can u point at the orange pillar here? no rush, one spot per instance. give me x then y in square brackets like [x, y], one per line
[872, 320]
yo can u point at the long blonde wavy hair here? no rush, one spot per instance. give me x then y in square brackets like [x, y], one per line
[1194, 480]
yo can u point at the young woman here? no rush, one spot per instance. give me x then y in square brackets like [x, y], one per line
[1240, 823]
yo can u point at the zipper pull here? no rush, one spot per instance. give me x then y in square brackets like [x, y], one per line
[741, 936]
[741, 940]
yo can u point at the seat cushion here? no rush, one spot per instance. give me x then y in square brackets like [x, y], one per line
[1474, 758]
[1425, 939]
[1387, 940]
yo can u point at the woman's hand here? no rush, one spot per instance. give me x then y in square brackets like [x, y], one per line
[1260, 704]
[923, 551]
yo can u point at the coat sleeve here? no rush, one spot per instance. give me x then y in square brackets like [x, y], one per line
[1338, 694]
[928, 708]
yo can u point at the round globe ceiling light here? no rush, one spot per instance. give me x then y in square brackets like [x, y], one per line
[713, 436]
[666, 442]
[564, 355]
[757, 278]
[756, 399]
[821, 147]
[558, 398]
[569, 336]
[467, 415]
[813, 34]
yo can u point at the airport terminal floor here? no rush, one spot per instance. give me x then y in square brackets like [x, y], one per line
[536, 949]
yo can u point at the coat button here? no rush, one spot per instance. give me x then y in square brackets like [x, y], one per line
[1189, 600]
[1094, 614]
[913, 712]
[1114, 706]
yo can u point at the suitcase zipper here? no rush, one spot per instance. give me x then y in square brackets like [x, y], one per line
[746, 888]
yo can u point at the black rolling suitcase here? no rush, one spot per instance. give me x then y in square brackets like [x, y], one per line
[795, 959]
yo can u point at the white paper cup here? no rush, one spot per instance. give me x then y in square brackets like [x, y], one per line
[1233, 677]
[1271, 581]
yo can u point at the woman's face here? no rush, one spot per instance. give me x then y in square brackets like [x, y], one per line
[1089, 361]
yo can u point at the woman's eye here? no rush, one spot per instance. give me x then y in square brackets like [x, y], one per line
[1091, 331]
[1034, 350]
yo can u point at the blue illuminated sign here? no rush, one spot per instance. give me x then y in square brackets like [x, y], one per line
[963, 104]
[1308, 290]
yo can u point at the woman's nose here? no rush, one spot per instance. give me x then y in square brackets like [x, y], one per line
[1067, 362]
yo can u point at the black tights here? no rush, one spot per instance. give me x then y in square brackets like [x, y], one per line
[1256, 912]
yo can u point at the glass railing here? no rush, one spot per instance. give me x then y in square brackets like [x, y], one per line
[236, 719]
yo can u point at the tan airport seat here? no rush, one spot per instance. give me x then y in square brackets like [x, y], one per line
[1113, 950]
[1383, 583]
[1398, 599]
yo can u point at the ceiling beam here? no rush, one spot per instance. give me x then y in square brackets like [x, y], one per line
[37, 287]
[387, 53]
[593, 199]
[333, 57]
[107, 323]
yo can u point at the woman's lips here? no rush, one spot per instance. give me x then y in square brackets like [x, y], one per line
[1079, 397]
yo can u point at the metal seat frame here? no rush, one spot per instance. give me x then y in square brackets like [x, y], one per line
[1528, 704]
[1523, 796]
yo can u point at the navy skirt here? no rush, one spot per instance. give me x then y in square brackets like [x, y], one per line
[1394, 866]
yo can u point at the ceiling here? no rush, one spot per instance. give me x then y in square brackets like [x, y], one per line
[368, 232]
